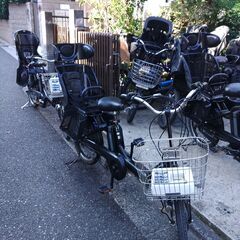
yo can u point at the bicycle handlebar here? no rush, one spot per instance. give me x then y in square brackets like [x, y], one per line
[150, 52]
[34, 61]
[133, 97]
[43, 59]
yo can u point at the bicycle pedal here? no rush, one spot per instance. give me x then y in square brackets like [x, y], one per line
[138, 142]
[104, 189]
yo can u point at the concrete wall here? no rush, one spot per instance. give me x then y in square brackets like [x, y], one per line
[50, 5]
[20, 17]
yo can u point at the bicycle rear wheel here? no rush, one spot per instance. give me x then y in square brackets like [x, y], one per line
[33, 92]
[88, 155]
[197, 131]
[181, 219]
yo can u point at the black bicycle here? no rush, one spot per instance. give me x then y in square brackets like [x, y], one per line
[43, 87]
[150, 55]
[171, 176]
[217, 103]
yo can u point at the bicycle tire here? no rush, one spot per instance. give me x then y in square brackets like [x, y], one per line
[86, 154]
[60, 112]
[33, 96]
[33, 100]
[131, 112]
[162, 120]
[181, 219]
[194, 130]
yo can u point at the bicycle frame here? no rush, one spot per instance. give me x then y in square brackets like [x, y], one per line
[120, 161]
[115, 152]
[211, 125]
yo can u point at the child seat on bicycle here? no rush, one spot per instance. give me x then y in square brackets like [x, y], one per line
[80, 86]
[26, 43]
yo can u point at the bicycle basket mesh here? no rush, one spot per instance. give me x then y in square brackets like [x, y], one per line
[145, 75]
[176, 172]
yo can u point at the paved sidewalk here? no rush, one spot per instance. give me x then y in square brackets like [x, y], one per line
[40, 198]
[220, 206]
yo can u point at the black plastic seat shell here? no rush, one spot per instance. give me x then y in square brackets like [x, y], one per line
[110, 104]
[232, 90]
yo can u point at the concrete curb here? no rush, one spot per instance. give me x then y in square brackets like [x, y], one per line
[210, 224]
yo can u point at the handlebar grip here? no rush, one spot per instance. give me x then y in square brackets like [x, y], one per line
[36, 64]
[126, 97]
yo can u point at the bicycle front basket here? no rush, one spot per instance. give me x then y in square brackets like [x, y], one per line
[146, 75]
[176, 172]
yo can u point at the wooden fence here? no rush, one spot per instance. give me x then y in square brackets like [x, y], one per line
[106, 60]
[60, 29]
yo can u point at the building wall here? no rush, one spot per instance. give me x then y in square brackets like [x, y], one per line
[50, 5]
[23, 16]
[20, 17]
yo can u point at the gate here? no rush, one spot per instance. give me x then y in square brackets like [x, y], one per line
[60, 28]
[106, 60]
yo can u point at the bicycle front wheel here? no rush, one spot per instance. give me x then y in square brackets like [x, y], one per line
[131, 112]
[181, 219]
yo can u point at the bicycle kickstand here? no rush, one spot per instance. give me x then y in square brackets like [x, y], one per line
[27, 104]
[105, 189]
[70, 163]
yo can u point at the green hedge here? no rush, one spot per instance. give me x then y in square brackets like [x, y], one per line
[4, 14]
[18, 1]
[4, 9]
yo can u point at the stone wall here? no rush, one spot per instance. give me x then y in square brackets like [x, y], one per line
[20, 17]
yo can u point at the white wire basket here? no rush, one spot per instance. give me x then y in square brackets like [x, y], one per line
[52, 85]
[146, 75]
[176, 172]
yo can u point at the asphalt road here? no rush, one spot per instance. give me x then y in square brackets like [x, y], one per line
[40, 198]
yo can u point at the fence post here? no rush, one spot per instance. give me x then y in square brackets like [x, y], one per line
[76, 20]
[46, 35]
[72, 26]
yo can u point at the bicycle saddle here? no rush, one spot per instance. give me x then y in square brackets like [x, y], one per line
[110, 104]
[232, 90]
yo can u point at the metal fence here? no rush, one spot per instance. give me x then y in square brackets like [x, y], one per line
[106, 60]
